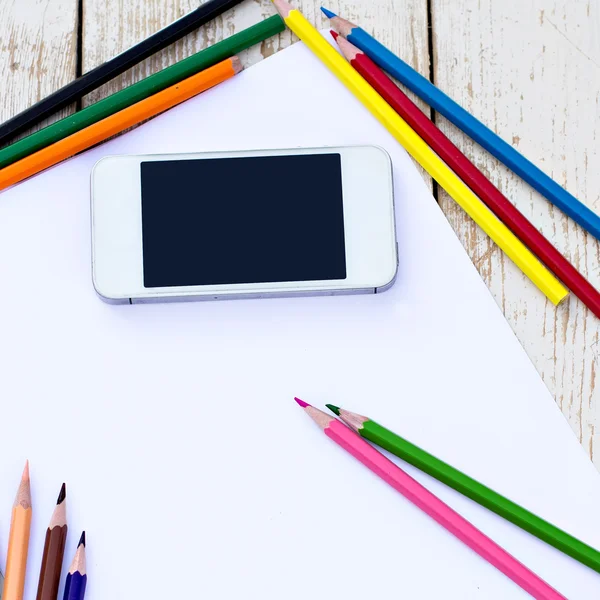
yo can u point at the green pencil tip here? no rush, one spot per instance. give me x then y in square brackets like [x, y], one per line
[334, 409]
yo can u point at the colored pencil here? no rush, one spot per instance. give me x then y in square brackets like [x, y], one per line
[457, 115]
[109, 70]
[119, 122]
[54, 550]
[141, 90]
[431, 505]
[499, 204]
[388, 440]
[423, 154]
[77, 575]
[18, 541]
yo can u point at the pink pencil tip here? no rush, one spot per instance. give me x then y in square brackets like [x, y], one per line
[301, 402]
[334, 34]
[25, 475]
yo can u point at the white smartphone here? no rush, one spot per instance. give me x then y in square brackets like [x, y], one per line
[243, 224]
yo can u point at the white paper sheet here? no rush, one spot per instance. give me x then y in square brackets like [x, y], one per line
[188, 463]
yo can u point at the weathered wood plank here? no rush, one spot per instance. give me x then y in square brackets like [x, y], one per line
[111, 29]
[38, 51]
[527, 69]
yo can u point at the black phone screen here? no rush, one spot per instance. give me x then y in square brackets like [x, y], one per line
[242, 220]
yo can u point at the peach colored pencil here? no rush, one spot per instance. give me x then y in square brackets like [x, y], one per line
[431, 505]
[18, 541]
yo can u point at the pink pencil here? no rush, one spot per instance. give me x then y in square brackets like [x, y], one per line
[431, 505]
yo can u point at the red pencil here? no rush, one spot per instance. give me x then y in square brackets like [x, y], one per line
[499, 204]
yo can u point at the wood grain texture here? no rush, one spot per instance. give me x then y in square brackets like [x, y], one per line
[38, 52]
[527, 69]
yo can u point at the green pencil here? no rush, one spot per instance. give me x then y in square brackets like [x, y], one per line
[467, 486]
[141, 90]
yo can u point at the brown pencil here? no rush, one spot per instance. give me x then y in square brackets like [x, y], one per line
[18, 541]
[54, 550]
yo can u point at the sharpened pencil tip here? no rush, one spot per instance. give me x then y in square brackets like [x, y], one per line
[301, 402]
[82, 540]
[328, 13]
[334, 409]
[23, 497]
[236, 64]
[63, 493]
[334, 34]
[283, 7]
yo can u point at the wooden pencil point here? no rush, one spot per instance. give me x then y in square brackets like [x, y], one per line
[351, 419]
[318, 416]
[23, 497]
[236, 64]
[79, 560]
[350, 51]
[283, 8]
[59, 516]
[343, 26]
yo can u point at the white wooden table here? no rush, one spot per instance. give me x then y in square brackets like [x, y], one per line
[530, 69]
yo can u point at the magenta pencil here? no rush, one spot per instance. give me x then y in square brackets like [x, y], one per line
[448, 518]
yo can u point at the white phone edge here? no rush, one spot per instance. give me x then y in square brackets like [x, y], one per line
[167, 296]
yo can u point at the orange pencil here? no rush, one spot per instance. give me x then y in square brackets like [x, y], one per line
[18, 541]
[102, 130]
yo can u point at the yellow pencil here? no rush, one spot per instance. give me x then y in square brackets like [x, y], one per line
[424, 155]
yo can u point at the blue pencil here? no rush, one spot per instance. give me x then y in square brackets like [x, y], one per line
[457, 115]
[77, 577]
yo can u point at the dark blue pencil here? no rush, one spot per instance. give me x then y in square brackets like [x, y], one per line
[456, 114]
[77, 576]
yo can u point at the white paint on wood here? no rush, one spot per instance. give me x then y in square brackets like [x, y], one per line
[38, 51]
[529, 70]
